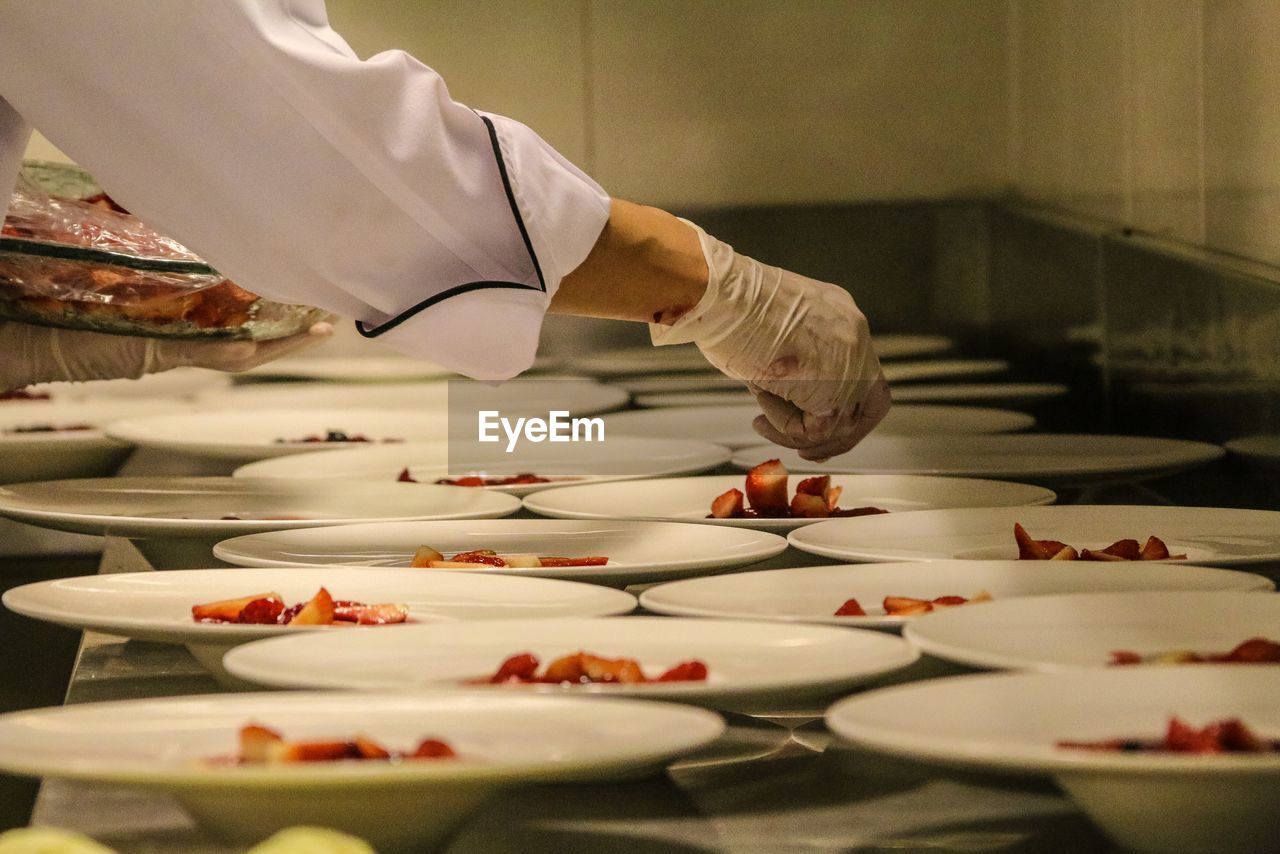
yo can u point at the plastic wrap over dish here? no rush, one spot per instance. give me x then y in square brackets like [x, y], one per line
[71, 257]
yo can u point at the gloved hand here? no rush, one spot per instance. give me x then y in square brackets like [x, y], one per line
[35, 354]
[801, 346]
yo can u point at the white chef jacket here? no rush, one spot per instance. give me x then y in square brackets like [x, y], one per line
[251, 132]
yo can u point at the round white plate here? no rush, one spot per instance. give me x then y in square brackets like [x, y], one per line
[1260, 451]
[895, 345]
[363, 369]
[515, 398]
[501, 739]
[750, 665]
[1051, 458]
[183, 383]
[156, 606]
[195, 506]
[1013, 721]
[688, 499]
[67, 453]
[617, 458]
[731, 425]
[942, 369]
[1063, 632]
[640, 360]
[812, 594]
[252, 435]
[1003, 394]
[638, 552]
[1211, 536]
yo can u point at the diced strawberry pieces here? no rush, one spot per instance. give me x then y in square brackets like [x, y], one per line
[567, 668]
[317, 612]
[949, 601]
[263, 611]
[851, 608]
[424, 556]
[1154, 549]
[814, 485]
[319, 751]
[806, 506]
[433, 748]
[767, 488]
[469, 480]
[406, 477]
[1124, 549]
[256, 743]
[727, 505]
[1234, 736]
[686, 671]
[522, 667]
[370, 749]
[1125, 656]
[227, 610]
[483, 556]
[905, 606]
[369, 615]
[623, 671]
[1255, 651]
[592, 560]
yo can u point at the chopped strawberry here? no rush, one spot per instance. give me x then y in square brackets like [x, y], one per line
[257, 743]
[624, 671]
[1030, 549]
[227, 610]
[806, 506]
[369, 615]
[522, 667]
[1125, 656]
[1125, 550]
[424, 556]
[318, 612]
[1255, 651]
[905, 606]
[370, 749]
[406, 477]
[319, 751]
[685, 671]
[949, 601]
[469, 480]
[265, 611]
[484, 556]
[433, 748]
[851, 608]
[767, 488]
[594, 560]
[567, 668]
[814, 485]
[727, 505]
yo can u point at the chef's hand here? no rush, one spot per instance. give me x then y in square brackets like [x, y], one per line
[35, 354]
[801, 346]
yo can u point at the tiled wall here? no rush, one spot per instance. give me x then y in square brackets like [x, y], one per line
[719, 102]
[1161, 114]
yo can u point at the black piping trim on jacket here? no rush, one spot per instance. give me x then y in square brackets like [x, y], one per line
[473, 286]
[430, 301]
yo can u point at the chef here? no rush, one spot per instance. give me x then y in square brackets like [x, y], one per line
[251, 132]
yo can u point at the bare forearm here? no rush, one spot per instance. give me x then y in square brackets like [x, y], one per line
[646, 266]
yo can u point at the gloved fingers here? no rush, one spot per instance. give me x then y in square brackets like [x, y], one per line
[854, 429]
[786, 424]
[235, 356]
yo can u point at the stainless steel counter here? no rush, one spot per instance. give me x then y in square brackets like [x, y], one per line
[776, 785]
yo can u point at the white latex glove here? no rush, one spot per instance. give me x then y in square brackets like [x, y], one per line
[36, 354]
[801, 346]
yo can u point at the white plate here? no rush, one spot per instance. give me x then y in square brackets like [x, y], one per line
[640, 360]
[720, 391]
[750, 665]
[638, 552]
[67, 453]
[1050, 458]
[1260, 451]
[1211, 536]
[365, 369]
[812, 594]
[515, 398]
[183, 383]
[252, 435]
[731, 425]
[502, 740]
[156, 606]
[896, 345]
[688, 499]
[617, 458]
[942, 369]
[194, 506]
[1004, 394]
[1063, 632]
[1012, 722]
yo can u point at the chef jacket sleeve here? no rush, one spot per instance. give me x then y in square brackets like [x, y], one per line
[251, 132]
